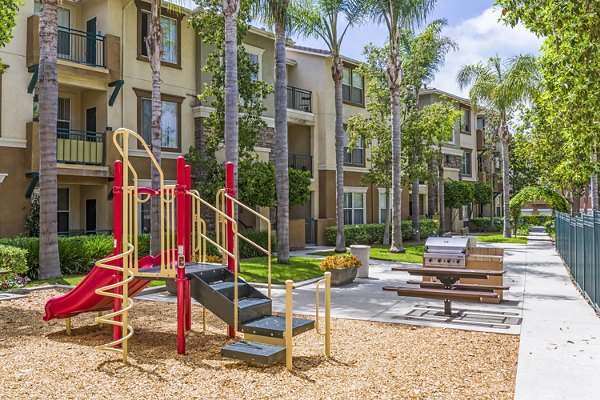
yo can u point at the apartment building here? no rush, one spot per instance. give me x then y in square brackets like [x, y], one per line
[104, 84]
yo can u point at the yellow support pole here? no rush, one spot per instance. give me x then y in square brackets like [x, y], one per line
[68, 326]
[328, 314]
[288, 324]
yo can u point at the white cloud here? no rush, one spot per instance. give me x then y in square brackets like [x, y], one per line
[480, 38]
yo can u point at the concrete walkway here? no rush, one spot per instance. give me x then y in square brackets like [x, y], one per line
[559, 356]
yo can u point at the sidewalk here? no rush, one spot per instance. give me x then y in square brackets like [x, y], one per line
[559, 355]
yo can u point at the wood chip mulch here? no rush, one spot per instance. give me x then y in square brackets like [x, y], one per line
[370, 361]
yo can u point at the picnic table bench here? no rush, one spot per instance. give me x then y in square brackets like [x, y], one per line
[448, 289]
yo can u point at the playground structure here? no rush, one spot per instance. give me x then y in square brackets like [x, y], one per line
[116, 279]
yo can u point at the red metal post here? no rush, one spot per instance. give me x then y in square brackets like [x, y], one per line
[118, 237]
[189, 216]
[116, 308]
[180, 280]
[230, 190]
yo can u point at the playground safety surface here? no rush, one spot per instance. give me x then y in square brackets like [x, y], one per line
[370, 360]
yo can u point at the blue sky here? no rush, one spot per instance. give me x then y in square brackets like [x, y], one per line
[473, 24]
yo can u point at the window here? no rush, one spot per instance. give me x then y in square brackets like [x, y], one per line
[254, 59]
[383, 210]
[63, 120]
[352, 87]
[446, 160]
[170, 23]
[466, 164]
[465, 120]
[480, 123]
[63, 210]
[467, 211]
[170, 122]
[354, 208]
[64, 35]
[355, 156]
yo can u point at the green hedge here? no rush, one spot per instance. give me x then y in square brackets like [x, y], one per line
[550, 228]
[523, 230]
[373, 233]
[78, 254]
[13, 260]
[482, 224]
[535, 220]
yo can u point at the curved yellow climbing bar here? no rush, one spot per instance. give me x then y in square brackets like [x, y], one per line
[126, 303]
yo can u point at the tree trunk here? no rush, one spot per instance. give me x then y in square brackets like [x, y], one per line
[441, 193]
[416, 224]
[281, 149]
[492, 205]
[154, 46]
[48, 98]
[386, 229]
[594, 183]
[432, 191]
[575, 206]
[231, 10]
[337, 73]
[505, 179]
[396, 246]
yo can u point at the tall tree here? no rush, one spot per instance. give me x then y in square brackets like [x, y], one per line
[502, 87]
[422, 56]
[275, 14]
[48, 95]
[398, 15]
[330, 20]
[154, 46]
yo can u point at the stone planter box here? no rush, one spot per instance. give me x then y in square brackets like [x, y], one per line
[343, 276]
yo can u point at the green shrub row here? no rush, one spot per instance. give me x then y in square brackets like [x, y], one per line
[482, 224]
[78, 254]
[550, 228]
[14, 261]
[523, 230]
[373, 233]
[535, 220]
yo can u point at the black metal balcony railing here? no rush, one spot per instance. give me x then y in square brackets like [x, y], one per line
[80, 47]
[302, 163]
[80, 147]
[299, 99]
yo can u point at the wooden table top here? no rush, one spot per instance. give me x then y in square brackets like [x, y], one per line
[457, 272]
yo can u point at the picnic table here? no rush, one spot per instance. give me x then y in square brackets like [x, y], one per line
[448, 288]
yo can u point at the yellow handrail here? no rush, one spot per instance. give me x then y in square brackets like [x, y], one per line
[126, 302]
[221, 197]
[327, 332]
[289, 318]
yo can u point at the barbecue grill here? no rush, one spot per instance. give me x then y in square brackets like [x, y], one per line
[446, 252]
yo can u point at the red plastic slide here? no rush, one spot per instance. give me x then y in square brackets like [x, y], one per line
[83, 298]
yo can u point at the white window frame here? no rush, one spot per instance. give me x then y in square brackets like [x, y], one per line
[358, 190]
[382, 193]
[177, 120]
[177, 27]
[257, 51]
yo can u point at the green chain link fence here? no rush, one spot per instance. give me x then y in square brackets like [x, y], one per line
[578, 243]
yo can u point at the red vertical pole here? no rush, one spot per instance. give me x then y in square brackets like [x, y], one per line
[189, 216]
[118, 237]
[188, 303]
[230, 190]
[180, 280]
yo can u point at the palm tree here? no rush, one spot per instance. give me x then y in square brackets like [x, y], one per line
[154, 45]
[501, 87]
[48, 95]
[330, 21]
[275, 13]
[422, 57]
[398, 15]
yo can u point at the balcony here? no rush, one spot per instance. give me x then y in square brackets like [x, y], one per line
[302, 163]
[299, 99]
[81, 47]
[80, 147]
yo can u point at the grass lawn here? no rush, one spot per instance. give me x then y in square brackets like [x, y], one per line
[499, 238]
[72, 280]
[300, 269]
[414, 253]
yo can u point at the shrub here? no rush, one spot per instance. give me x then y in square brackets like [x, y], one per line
[536, 220]
[373, 233]
[339, 262]
[482, 224]
[13, 260]
[523, 230]
[550, 228]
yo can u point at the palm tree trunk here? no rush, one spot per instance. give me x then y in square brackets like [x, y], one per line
[281, 149]
[416, 210]
[231, 10]
[388, 217]
[594, 183]
[48, 96]
[441, 193]
[505, 179]
[337, 73]
[396, 246]
[154, 45]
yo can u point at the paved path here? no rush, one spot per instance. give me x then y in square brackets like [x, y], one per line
[559, 356]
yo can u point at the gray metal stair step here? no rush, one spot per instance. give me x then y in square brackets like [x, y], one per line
[274, 326]
[259, 353]
[206, 272]
[227, 289]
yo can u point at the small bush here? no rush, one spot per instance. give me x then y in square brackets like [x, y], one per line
[523, 230]
[13, 260]
[550, 228]
[536, 220]
[482, 224]
[373, 233]
[339, 262]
